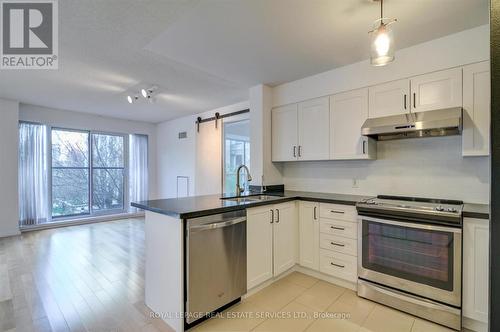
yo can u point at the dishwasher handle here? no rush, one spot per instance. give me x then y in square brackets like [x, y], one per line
[216, 225]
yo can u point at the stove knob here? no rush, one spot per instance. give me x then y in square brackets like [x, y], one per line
[452, 210]
[439, 208]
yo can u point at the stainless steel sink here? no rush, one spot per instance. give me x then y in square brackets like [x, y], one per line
[248, 199]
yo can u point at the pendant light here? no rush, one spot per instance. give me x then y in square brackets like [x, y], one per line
[382, 40]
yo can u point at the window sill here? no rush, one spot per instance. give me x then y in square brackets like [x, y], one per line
[81, 221]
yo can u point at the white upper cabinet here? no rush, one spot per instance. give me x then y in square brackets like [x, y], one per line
[284, 133]
[348, 112]
[389, 99]
[442, 89]
[476, 133]
[314, 129]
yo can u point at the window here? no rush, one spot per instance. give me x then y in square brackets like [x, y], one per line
[70, 173]
[108, 172]
[236, 153]
[88, 173]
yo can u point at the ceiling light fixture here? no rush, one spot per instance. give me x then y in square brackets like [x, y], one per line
[148, 93]
[382, 40]
[131, 99]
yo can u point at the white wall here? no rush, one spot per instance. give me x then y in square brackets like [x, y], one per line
[430, 167]
[465, 47]
[78, 120]
[264, 171]
[176, 157]
[9, 111]
[427, 167]
[181, 157]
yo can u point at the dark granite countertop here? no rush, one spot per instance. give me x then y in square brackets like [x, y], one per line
[198, 206]
[479, 211]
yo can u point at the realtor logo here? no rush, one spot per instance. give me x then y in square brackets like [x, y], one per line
[29, 34]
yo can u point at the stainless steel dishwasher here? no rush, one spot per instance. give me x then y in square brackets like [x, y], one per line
[216, 262]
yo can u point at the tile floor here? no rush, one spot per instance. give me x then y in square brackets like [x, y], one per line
[300, 302]
[91, 278]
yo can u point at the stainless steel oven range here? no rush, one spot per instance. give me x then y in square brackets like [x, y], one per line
[410, 256]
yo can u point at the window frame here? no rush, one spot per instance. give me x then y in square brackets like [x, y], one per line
[91, 212]
[235, 119]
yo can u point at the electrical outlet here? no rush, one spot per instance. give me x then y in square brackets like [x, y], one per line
[355, 183]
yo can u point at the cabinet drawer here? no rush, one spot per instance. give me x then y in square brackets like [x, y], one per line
[338, 265]
[338, 211]
[339, 244]
[339, 227]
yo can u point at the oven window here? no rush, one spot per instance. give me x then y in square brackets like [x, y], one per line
[419, 255]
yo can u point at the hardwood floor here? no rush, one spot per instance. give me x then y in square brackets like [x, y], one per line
[79, 278]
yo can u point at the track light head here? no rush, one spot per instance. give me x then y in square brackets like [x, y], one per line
[131, 99]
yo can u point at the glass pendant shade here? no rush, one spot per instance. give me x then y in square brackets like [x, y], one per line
[382, 45]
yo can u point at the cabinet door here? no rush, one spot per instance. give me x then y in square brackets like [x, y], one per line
[314, 129]
[285, 237]
[476, 133]
[309, 235]
[442, 89]
[475, 270]
[284, 133]
[259, 245]
[389, 99]
[348, 112]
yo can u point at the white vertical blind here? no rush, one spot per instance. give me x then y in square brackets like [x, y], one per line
[33, 174]
[138, 168]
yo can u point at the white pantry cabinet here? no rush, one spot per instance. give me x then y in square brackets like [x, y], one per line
[309, 235]
[314, 129]
[475, 269]
[388, 99]
[271, 241]
[441, 89]
[284, 133]
[348, 112]
[476, 103]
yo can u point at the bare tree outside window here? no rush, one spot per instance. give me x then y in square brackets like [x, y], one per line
[78, 165]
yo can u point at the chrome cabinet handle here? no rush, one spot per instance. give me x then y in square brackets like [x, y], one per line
[300, 151]
[414, 100]
[405, 100]
[364, 147]
[339, 228]
[272, 216]
[294, 151]
[337, 211]
[277, 216]
[337, 244]
[338, 265]
[314, 214]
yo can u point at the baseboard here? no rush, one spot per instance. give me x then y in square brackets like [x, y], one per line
[327, 278]
[8, 233]
[474, 325]
[82, 221]
[301, 269]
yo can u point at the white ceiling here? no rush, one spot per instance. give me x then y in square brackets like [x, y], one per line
[205, 54]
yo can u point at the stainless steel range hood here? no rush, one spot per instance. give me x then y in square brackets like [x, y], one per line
[442, 122]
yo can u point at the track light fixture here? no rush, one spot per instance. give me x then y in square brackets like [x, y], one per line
[132, 99]
[148, 92]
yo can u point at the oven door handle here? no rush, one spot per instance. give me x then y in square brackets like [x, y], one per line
[413, 225]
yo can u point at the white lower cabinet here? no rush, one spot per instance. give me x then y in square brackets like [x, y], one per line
[338, 241]
[309, 235]
[475, 269]
[271, 241]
